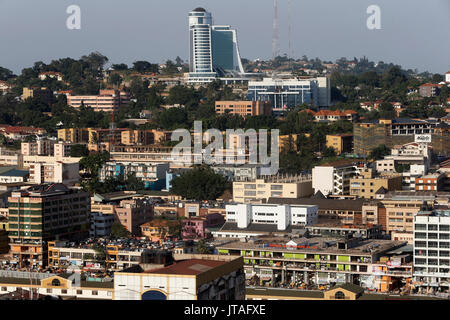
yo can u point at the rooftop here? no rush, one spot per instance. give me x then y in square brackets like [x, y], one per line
[316, 245]
[189, 267]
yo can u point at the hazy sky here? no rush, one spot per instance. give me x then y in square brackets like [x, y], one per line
[414, 34]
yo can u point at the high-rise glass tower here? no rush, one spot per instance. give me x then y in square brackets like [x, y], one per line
[214, 50]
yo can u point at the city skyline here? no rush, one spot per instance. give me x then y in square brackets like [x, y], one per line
[401, 40]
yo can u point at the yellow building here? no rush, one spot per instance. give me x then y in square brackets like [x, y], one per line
[366, 185]
[341, 143]
[74, 135]
[277, 187]
[288, 142]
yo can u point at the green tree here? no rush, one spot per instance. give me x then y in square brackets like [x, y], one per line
[115, 79]
[79, 150]
[119, 231]
[200, 183]
[379, 152]
[202, 247]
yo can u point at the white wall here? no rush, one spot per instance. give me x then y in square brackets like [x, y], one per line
[322, 179]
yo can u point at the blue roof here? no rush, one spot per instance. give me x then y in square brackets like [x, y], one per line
[14, 173]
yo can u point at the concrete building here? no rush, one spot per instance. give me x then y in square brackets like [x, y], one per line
[289, 93]
[144, 137]
[367, 184]
[148, 172]
[246, 172]
[280, 215]
[341, 143]
[126, 209]
[214, 50]
[41, 147]
[14, 176]
[244, 108]
[101, 224]
[55, 172]
[190, 277]
[333, 178]
[198, 227]
[434, 182]
[47, 212]
[370, 134]
[429, 90]
[317, 261]
[264, 188]
[432, 250]
[47, 284]
[106, 100]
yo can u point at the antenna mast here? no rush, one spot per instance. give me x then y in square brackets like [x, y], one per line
[275, 38]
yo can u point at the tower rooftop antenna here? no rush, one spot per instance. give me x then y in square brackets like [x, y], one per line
[276, 37]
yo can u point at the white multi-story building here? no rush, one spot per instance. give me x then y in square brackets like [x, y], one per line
[432, 250]
[280, 215]
[333, 178]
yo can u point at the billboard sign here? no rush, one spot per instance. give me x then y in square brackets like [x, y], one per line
[422, 138]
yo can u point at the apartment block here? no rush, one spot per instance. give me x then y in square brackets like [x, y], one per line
[40, 147]
[341, 143]
[434, 182]
[148, 172]
[55, 172]
[244, 108]
[280, 187]
[129, 211]
[106, 100]
[333, 178]
[432, 250]
[367, 184]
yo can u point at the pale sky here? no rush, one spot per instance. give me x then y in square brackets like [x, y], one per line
[414, 34]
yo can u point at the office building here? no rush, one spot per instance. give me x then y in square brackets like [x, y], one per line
[106, 100]
[334, 178]
[432, 250]
[42, 213]
[214, 50]
[280, 215]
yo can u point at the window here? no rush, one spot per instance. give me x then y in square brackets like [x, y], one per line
[49, 290]
[4, 288]
[56, 283]
[94, 293]
[339, 295]
[63, 291]
[79, 291]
